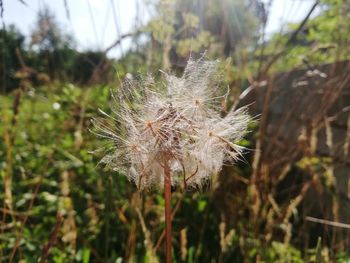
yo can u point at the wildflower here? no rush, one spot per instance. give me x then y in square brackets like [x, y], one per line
[177, 128]
[56, 106]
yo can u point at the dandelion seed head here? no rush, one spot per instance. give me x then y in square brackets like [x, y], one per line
[179, 125]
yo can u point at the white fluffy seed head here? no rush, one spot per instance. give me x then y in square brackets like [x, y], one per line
[179, 126]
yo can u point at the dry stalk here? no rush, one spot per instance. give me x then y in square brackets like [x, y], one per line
[167, 198]
[24, 221]
[328, 222]
[53, 238]
[183, 242]
[162, 236]
[148, 240]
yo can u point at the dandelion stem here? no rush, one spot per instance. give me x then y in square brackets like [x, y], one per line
[167, 197]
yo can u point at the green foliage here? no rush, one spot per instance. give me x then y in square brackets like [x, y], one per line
[51, 147]
[48, 143]
[324, 39]
[283, 253]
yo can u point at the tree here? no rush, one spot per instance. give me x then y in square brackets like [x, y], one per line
[53, 48]
[47, 34]
[181, 27]
[11, 44]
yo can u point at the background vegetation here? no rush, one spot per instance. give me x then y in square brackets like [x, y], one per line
[59, 205]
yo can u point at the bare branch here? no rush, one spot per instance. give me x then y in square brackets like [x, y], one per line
[327, 222]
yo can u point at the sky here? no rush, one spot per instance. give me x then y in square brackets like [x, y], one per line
[96, 24]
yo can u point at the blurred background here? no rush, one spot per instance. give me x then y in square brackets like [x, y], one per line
[286, 201]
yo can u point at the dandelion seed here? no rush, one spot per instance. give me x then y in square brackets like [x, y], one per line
[178, 127]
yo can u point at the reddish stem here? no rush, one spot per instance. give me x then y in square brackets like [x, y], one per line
[167, 197]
